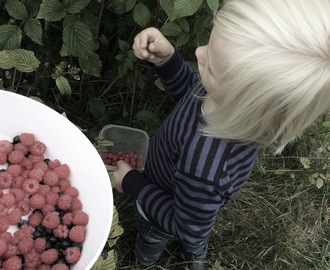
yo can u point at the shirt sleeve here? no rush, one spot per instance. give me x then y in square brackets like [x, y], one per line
[176, 76]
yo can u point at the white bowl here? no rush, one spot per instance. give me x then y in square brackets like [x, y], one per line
[67, 143]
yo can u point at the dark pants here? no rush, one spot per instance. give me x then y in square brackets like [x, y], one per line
[151, 242]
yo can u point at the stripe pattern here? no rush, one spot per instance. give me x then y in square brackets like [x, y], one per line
[190, 176]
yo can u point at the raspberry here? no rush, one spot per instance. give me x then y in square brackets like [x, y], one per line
[80, 218]
[48, 208]
[23, 148]
[55, 189]
[13, 263]
[18, 181]
[4, 224]
[64, 184]
[61, 231]
[37, 201]
[72, 191]
[67, 219]
[36, 174]
[25, 173]
[77, 234]
[35, 219]
[43, 190]
[3, 247]
[35, 158]
[10, 251]
[25, 245]
[63, 171]
[3, 158]
[14, 216]
[49, 256]
[52, 164]
[27, 138]
[51, 178]
[41, 165]
[64, 202]
[30, 186]
[8, 200]
[16, 157]
[6, 236]
[32, 260]
[76, 205]
[60, 266]
[51, 220]
[27, 164]
[14, 169]
[72, 255]
[45, 267]
[6, 146]
[6, 180]
[39, 244]
[3, 210]
[51, 197]
[37, 148]
[18, 193]
[24, 207]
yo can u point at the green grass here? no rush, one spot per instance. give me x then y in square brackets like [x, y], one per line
[274, 222]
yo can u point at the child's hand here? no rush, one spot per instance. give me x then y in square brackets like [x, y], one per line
[123, 169]
[152, 46]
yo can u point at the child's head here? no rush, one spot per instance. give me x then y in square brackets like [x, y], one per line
[276, 78]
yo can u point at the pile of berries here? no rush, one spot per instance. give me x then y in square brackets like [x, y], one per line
[36, 195]
[130, 158]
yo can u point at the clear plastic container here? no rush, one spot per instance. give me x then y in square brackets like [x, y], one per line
[126, 140]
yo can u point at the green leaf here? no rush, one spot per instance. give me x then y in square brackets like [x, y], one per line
[51, 10]
[168, 6]
[182, 40]
[5, 60]
[319, 183]
[89, 19]
[122, 69]
[171, 29]
[77, 37]
[185, 8]
[119, 6]
[33, 30]
[213, 5]
[16, 9]
[32, 7]
[326, 124]
[130, 5]
[141, 14]
[123, 45]
[10, 37]
[97, 108]
[108, 263]
[184, 24]
[75, 6]
[91, 64]
[63, 85]
[24, 60]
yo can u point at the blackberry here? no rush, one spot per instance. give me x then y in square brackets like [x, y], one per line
[16, 139]
[2, 170]
[46, 160]
[37, 234]
[36, 211]
[78, 245]
[65, 243]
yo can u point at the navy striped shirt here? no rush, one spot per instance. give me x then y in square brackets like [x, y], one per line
[188, 177]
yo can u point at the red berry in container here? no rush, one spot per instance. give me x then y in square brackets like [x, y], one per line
[12, 263]
[64, 202]
[49, 256]
[51, 220]
[51, 178]
[37, 201]
[62, 171]
[16, 157]
[6, 146]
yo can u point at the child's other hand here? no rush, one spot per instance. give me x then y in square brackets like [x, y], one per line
[123, 169]
[152, 46]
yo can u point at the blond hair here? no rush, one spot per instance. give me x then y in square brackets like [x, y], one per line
[276, 78]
